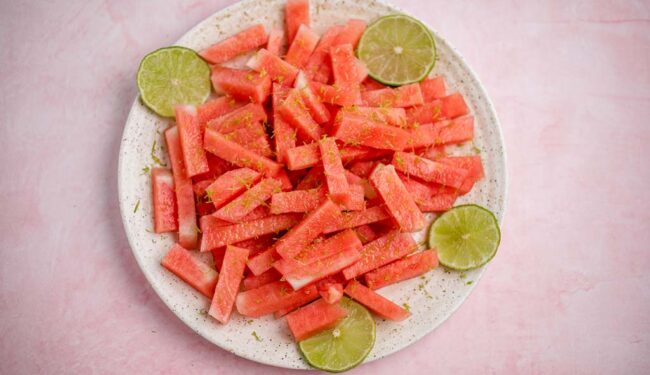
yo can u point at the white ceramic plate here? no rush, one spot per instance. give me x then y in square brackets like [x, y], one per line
[432, 299]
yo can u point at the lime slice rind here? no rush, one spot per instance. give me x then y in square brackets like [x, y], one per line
[397, 50]
[465, 237]
[344, 346]
[172, 76]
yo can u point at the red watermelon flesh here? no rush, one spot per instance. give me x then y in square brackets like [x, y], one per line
[403, 269]
[366, 233]
[391, 116]
[433, 88]
[251, 199]
[217, 107]
[316, 108]
[190, 133]
[398, 201]
[322, 268]
[248, 116]
[269, 64]
[297, 201]
[331, 292]
[428, 170]
[473, 166]
[296, 13]
[430, 197]
[426, 113]
[275, 42]
[302, 47]
[318, 60]
[375, 302]
[217, 236]
[312, 179]
[252, 138]
[319, 250]
[354, 219]
[190, 269]
[301, 235]
[237, 44]
[272, 297]
[217, 144]
[351, 33]
[381, 251]
[458, 130]
[454, 106]
[338, 188]
[164, 201]
[241, 84]
[187, 229]
[253, 282]
[295, 112]
[231, 184]
[314, 318]
[284, 135]
[230, 277]
[356, 131]
[403, 96]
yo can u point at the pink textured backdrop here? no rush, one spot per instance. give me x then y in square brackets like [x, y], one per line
[567, 293]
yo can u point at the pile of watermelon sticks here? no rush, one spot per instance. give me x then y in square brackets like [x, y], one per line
[305, 177]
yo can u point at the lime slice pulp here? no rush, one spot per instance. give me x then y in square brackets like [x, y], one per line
[344, 346]
[397, 49]
[171, 76]
[465, 237]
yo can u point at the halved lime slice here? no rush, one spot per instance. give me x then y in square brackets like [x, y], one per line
[466, 237]
[344, 346]
[397, 50]
[170, 76]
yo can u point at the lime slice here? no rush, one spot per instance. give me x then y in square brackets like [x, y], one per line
[466, 237]
[344, 346]
[397, 50]
[171, 76]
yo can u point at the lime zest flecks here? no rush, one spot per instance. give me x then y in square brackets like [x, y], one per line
[422, 288]
[154, 157]
[406, 306]
[257, 337]
[137, 205]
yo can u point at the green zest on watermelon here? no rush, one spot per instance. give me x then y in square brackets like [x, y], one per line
[304, 179]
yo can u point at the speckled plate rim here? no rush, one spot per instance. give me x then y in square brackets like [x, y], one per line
[124, 209]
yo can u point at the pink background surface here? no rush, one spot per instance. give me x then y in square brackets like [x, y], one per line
[567, 293]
